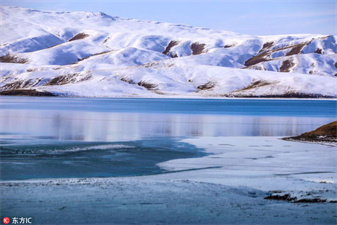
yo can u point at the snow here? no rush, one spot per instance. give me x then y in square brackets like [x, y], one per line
[312, 63]
[169, 78]
[116, 48]
[183, 80]
[260, 158]
[225, 187]
[125, 57]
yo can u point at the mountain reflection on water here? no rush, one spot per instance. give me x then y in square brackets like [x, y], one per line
[101, 123]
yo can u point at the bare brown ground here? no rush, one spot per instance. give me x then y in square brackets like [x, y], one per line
[146, 85]
[286, 65]
[19, 84]
[26, 92]
[79, 36]
[66, 79]
[197, 48]
[229, 46]
[326, 133]
[127, 80]
[88, 57]
[256, 84]
[207, 86]
[296, 49]
[257, 59]
[266, 46]
[319, 51]
[265, 53]
[170, 46]
[12, 59]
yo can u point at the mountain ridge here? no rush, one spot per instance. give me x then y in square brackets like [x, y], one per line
[64, 52]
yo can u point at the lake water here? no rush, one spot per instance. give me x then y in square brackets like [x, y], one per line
[43, 137]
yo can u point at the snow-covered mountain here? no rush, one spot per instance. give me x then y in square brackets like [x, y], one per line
[94, 54]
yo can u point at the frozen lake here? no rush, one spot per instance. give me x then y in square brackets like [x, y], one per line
[141, 161]
[85, 137]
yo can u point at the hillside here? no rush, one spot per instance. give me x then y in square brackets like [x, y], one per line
[97, 55]
[325, 133]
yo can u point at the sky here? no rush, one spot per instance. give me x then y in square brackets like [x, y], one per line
[256, 17]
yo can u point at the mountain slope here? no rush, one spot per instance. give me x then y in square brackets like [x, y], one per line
[93, 54]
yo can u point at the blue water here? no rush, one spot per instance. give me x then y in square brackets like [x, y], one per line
[44, 137]
[62, 159]
[261, 107]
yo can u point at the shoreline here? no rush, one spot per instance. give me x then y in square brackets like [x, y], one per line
[53, 95]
